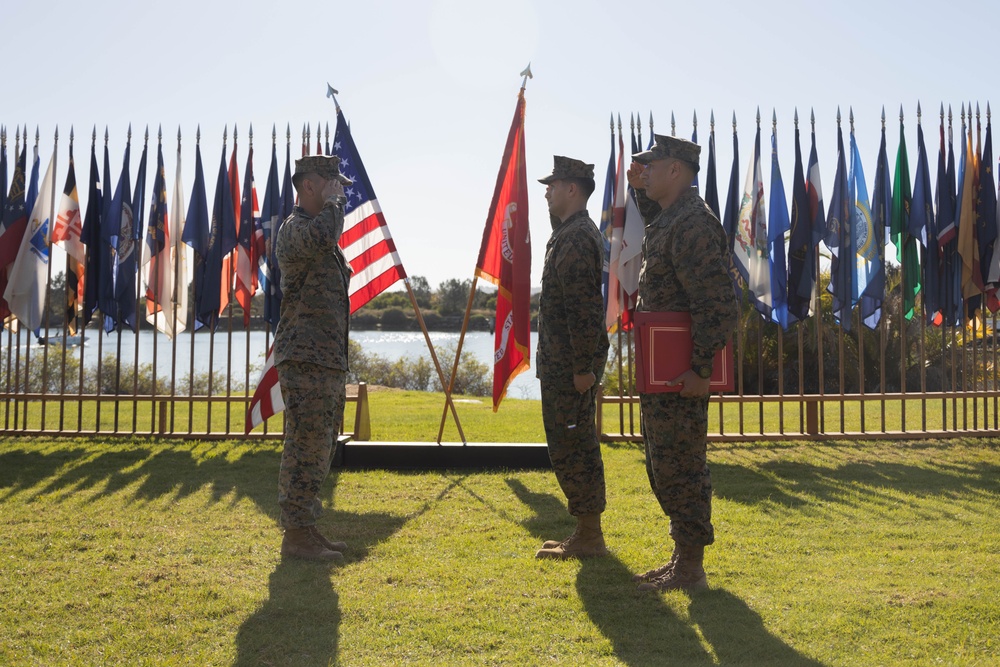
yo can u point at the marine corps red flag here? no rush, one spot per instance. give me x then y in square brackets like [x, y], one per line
[505, 260]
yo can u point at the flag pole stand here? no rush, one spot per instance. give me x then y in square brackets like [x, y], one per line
[454, 368]
[437, 364]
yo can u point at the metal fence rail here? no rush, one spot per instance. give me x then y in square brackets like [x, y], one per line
[818, 380]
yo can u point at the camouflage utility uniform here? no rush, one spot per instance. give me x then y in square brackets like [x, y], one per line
[310, 353]
[684, 269]
[572, 339]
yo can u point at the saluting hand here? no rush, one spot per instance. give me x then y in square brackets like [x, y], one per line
[634, 175]
[333, 188]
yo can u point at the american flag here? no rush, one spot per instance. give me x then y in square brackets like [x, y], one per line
[369, 249]
[366, 240]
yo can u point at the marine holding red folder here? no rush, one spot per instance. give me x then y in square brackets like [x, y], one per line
[685, 277]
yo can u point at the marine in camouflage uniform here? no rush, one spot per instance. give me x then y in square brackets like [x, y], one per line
[684, 269]
[572, 351]
[310, 350]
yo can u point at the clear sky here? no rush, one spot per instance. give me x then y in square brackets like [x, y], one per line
[429, 86]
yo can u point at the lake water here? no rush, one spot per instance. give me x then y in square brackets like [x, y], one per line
[242, 357]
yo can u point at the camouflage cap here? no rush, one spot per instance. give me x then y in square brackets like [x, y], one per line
[324, 166]
[671, 147]
[567, 167]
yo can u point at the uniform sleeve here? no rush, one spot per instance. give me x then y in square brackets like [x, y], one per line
[699, 251]
[325, 229]
[648, 208]
[578, 270]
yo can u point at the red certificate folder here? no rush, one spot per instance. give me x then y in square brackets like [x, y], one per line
[663, 353]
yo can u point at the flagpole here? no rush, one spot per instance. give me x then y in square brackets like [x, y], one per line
[48, 272]
[331, 92]
[525, 74]
[458, 356]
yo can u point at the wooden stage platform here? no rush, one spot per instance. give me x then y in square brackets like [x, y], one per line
[431, 456]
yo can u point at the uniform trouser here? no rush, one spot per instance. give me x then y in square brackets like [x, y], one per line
[574, 449]
[675, 432]
[314, 410]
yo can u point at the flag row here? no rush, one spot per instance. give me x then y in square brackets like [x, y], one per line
[117, 259]
[941, 228]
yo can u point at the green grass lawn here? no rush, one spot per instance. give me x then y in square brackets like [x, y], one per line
[132, 551]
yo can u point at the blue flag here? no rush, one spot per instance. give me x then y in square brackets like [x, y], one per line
[270, 219]
[287, 203]
[840, 239]
[127, 250]
[156, 236]
[694, 139]
[777, 224]
[986, 220]
[949, 298]
[117, 223]
[607, 213]
[881, 208]
[221, 242]
[814, 188]
[734, 199]
[869, 247]
[801, 248]
[922, 228]
[3, 170]
[287, 189]
[91, 237]
[32, 194]
[711, 182]
[196, 232]
[105, 281]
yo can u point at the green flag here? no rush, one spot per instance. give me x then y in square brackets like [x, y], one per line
[906, 245]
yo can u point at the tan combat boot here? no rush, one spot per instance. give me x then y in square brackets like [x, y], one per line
[587, 540]
[687, 574]
[332, 546]
[658, 572]
[303, 543]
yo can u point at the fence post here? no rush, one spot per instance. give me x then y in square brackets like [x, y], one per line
[812, 418]
[162, 418]
[600, 410]
[362, 422]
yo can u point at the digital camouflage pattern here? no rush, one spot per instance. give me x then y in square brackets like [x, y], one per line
[572, 340]
[574, 448]
[684, 268]
[675, 429]
[310, 354]
[567, 167]
[571, 334]
[314, 410]
[325, 166]
[315, 310]
[665, 147]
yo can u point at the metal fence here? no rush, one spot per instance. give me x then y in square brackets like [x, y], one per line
[197, 385]
[904, 379]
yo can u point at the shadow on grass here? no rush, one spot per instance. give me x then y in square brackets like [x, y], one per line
[20, 469]
[298, 624]
[175, 472]
[793, 484]
[737, 634]
[643, 629]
